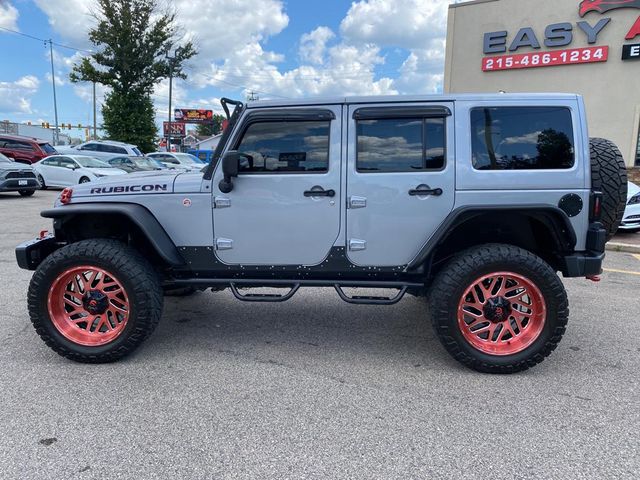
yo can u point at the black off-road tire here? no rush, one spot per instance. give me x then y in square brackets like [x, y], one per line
[137, 277]
[609, 176]
[453, 280]
[26, 193]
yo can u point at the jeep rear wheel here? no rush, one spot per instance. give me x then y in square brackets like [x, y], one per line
[498, 308]
[609, 176]
[95, 301]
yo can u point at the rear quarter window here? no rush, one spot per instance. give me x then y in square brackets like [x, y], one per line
[522, 138]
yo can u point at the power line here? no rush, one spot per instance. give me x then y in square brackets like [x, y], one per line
[45, 40]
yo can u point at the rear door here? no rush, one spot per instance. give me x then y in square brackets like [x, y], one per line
[400, 179]
[284, 208]
[49, 169]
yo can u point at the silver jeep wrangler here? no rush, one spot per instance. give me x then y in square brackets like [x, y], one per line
[474, 201]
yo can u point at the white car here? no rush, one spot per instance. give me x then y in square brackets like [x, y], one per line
[178, 161]
[102, 149]
[66, 170]
[631, 217]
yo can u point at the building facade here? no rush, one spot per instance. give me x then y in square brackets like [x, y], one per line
[589, 47]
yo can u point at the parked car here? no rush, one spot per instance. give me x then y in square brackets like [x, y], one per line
[203, 155]
[25, 149]
[17, 177]
[482, 234]
[179, 161]
[102, 149]
[631, 219]
[65, 170]
[136, 164]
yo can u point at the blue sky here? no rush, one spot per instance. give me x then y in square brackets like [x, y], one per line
[279, 48]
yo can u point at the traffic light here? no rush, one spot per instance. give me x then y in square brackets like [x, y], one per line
[79, 125]
[46, 124]
[43, 125]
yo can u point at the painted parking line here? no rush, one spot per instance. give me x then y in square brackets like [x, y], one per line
[637, 256]
[615, 270]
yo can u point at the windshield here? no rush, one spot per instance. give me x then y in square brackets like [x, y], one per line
[137, 152]
[187, 158]
[47, 148]
[4, 159]
[90, 162]
[144, 162]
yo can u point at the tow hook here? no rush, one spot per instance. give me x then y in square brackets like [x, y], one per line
[594, 278]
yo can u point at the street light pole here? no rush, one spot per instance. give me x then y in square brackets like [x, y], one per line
[56, 136]
[95, 134]
[171, 60]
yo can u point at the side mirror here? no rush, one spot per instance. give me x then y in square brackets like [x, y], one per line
[230, 168]
[72, 167]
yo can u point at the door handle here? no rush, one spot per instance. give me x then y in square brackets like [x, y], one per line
[320, 192]
[421, 190]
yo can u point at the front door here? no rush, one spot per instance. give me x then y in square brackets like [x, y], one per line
[400, 179]
[284, 208]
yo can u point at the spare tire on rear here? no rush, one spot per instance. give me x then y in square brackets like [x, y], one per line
[609, 176]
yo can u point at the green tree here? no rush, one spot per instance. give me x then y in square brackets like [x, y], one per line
[134, 40]
[209, 129]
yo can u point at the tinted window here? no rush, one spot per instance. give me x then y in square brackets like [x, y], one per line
[522, 138]
[400, 145]
[47, 148]
[18, 145]
[286, 147]
[92, 147]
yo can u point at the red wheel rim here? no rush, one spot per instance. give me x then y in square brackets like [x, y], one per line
[501, 313]
[88, 306]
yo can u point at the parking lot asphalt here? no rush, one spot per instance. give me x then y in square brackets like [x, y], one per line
[316, 388]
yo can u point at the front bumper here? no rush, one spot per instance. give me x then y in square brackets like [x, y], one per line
[589, 262]
[31, 253]
[631, 218]
[15, 184]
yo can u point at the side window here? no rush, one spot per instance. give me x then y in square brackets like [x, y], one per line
[18, 145]
[66, 162]
[111, 149]
[202, 156]
[296, 146]
[89, 146]
[51, 162]
[521, 138]
[400, 144]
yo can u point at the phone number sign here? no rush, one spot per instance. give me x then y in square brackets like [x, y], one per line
[573, 56]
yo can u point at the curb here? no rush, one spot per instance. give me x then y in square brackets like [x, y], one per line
[622, 247]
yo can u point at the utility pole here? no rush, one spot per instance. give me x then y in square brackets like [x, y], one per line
[56, 135]
[95, 134]
[252, 97]
[171, 60]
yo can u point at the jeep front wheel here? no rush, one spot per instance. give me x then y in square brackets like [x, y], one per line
[498, 308]
[95, 301]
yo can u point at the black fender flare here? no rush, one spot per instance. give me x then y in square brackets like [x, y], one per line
[550, 215]
[139, 215]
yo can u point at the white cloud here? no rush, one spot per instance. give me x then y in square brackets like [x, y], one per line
[71, 19]
[8, 15]
[15, 97]
[313, 45]
[232, 39]
[408, 24]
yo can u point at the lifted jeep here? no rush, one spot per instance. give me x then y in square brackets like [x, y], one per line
[476, 201]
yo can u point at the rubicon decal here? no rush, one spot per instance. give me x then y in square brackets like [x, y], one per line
[602, 6]
[129, 189]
